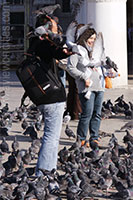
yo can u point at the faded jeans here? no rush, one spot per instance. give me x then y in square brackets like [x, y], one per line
[90, 118]
[48, 154]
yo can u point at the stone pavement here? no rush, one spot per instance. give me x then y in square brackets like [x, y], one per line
[14, 92]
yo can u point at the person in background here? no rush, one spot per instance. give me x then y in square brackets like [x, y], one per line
[89, 76]
[73, 106]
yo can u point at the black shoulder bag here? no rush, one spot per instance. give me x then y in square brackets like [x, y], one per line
[40, 81]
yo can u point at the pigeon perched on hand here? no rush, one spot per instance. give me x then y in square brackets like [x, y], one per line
[111, 64]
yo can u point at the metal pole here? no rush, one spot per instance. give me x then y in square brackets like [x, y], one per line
[26, 28]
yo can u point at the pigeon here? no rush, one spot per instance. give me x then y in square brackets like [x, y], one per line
[73, 32]
[47, 10]
[33, 150]
[63, 155]
[129, 147]
[30, 130]
[111, 64]
[128, 125]
[21, 190]
[27, 158]
[120, 98]
[118, 184]
[76, 144]
[4, 146]
[5, 108]
[38, 125]
[24, 124]
[72, 190]
[69, 132]
[128, 137]
[67, 118]
[3, 131]
[15, 144]
[2, 170]
[2, 93]
[98, 50]
[70, 34]
[113, 140]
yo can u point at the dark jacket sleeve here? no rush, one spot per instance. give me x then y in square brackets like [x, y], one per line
[47, 51]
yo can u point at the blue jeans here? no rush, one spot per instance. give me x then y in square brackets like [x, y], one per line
[48, 154]
[90, 118]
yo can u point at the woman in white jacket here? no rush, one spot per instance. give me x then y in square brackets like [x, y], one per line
[88, 68]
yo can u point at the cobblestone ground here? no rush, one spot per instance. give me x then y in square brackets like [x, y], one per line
[14, 92]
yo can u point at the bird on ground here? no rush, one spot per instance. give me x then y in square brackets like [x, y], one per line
[128, 125]
[3, 131]
[113, 140]
[38, 125]
[129, 147]
[21, 190]
[4, 146]
[66, 118]
[2, 170]
[63, 155]
[5, 108]
[27, 158]
[15, 144]
[119, 98]
[128, 137]
[30, 130]
[2, 93]
[24, 124]
[76, 144]
[69, 132]
[73, 190]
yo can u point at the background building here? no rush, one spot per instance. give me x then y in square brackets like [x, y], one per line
[113, 17]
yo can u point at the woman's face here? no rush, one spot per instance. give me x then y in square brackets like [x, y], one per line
[91, 40]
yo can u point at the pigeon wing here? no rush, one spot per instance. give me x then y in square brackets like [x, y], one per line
[98, 50]
[48, 10]
[70, 34]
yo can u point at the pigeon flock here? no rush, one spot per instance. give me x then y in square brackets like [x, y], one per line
[80, 174]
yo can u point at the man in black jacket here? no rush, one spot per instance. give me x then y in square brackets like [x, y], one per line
[53, 109]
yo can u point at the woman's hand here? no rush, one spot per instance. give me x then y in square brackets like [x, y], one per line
[87, 82]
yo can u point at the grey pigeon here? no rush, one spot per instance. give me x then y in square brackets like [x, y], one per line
[67, 118]
[24, 124]
[128, 125]
[128, 137]
[15, 144]
[2, 93]
[69, 132]
[4, 146]
[48, 10]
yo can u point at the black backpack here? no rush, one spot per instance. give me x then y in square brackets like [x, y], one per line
[41, 82]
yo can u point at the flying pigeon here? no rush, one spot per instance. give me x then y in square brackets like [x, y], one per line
[48, 10]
